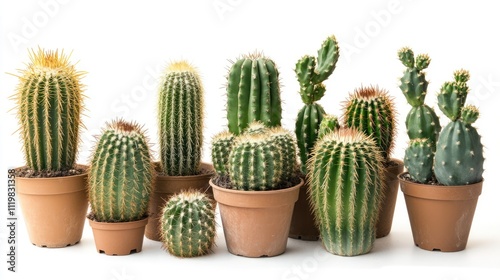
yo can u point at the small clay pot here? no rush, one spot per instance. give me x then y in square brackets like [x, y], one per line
[440, 216]
[388, 204]
[303, 226]
[256, 223]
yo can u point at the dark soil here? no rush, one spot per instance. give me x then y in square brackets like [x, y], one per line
[406, 176]
[91, 216]
[26, 172]
[225, 182]
[202, 171]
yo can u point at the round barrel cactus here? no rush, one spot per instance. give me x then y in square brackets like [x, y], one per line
[221, 147]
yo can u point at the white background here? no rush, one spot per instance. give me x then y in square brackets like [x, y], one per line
[124, 46]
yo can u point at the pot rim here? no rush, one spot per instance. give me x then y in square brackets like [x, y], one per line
[53, 185]
[117, 225]
[207, 165]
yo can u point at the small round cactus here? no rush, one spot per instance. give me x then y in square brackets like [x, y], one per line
[221, 147]
[188, 227]
[329, 124]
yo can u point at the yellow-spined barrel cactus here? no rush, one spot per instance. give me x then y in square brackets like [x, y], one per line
[221, 147]
[50, 101]
[188, 227]
[180, 119]
[120, 174]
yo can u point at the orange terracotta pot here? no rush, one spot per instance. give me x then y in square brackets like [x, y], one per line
[54, 209]
[388, 204]
[440, 216]
[256, 223]
[303, 226]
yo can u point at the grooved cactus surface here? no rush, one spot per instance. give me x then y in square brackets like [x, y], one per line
[221, 147]
[419, 159]
[307, 129]
[329, 124]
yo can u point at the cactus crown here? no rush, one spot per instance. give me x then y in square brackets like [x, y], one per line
[413, 83]
[328, 124]
[452, 96]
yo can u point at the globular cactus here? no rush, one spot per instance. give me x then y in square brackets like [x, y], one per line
[288, 149]
[221, 147]
[311, 72]
[459, 154]
[419, 159]
[49, 102]
[120, 174]
[188, 227]
[180, 120]
[346, 184]
[372, 110]
[256, 127]
[253, 93]
[329, 124]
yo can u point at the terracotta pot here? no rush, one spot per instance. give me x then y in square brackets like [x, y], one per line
[440, 216]
[390, 196]
[303, 226]
[54, 209]
[118, 239]
[256, 223]
[165, 187]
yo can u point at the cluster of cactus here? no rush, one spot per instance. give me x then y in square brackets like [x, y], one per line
[311, 72]
[345, 174]
[120, 173]
[180, 119]
[50, 101]
[253, 93]
[188, 227]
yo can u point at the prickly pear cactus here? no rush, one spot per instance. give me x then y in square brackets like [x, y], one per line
[419, 160]
[188, 227]
[329, 124]
[221, 147]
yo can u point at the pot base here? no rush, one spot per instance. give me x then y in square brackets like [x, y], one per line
[118, 239]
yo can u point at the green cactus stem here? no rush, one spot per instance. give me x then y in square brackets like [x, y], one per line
[329, 124]
[419, 160]
[221, 148]
[413, 83]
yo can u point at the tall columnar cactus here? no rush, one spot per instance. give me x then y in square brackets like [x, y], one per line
[50, 101]
[328, 124]
[253, 93]
[188, 227]
[346, 183]
[459, 154]
[311, 73]
[120, 174]
[221, 147]
[371, 110]
[180, 119]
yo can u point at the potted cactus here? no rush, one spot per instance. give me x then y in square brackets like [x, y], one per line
[372, 111]
[345, 175]
[180, 128]
[51, 187]
[121, 175]
[311, 72]
[444, 167]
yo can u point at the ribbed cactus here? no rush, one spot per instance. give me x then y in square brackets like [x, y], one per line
[329, 124]
[346, 183]
[288, 149]
[221, 147]
[188, 227]
[372, 110]
[253, 93]
[256, 127]
[419, 159]
[180, 119]
[120, 174]
[50, 100]
[459, 152]
[311, 72]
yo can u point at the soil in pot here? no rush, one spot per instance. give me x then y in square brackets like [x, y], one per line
[388, 203]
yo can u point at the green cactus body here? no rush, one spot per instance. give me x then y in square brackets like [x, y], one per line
[372, 111]
[180, 119]
[221, 148]
[253, 93]
[120, 174]
[288, 149]
[188, 226]
[422, 122]
[307, 129]
[256, 127]
[419, 160]
[49, 97]
[346, 183]
[413, 82]
[329, 124]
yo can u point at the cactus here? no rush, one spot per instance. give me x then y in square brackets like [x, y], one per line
[180, 119]
[256, 127]
[311, 73]
[288, 149]
[346, 184]
[253, 93]
[221, 147]
[188, 224]
[120, 174]
[372, 111]
[50, 101]
[329, 124]
[459, 154]
[419, 159]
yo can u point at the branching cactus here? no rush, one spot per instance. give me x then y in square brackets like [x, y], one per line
[346, 184]
[459, 154]
[419, 159]
[120, 174]
[180, 119]
[221, 147]
[329, 124]
[188, 227]
[253, 93]
[311, 73]
[50, 101]
[372, 110]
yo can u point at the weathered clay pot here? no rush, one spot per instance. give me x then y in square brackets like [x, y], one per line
[388, 204]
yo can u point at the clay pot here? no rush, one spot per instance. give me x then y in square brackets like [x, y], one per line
[390, 196]
[303, 226]
[256, 223]
[165, 187]
[440, 216]
[54, 209]
[118, 239]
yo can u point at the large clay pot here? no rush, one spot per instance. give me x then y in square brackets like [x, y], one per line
[388, 204]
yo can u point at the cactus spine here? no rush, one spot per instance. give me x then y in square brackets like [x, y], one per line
[180, 118]
[329, 124]
[120, 174]
[311, 73]
[419, 159]
[221, 147]
[188, 226]
[253, 93]
[346, 183]
[50, 100]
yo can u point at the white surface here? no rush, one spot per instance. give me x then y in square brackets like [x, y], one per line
[124, 45]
